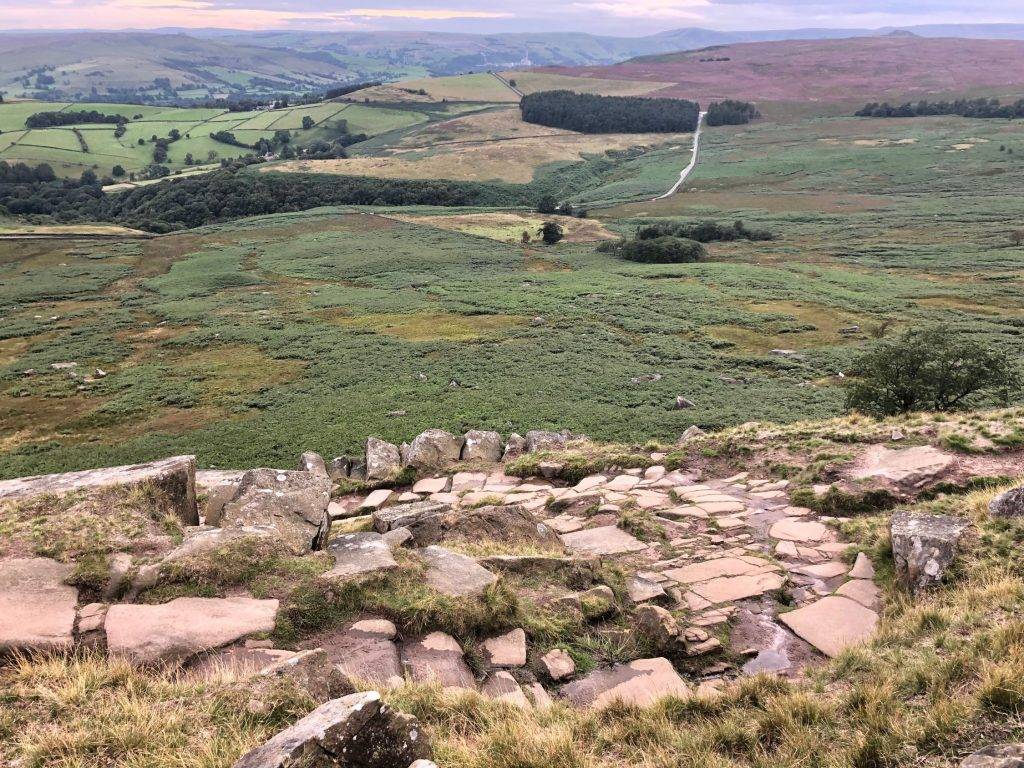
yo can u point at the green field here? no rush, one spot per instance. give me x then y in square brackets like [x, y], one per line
[61, 149]
[245, 342]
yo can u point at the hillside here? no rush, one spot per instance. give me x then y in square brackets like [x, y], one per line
[853, 69]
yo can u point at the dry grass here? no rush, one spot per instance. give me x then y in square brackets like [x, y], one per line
[509, 227]
[511, 160]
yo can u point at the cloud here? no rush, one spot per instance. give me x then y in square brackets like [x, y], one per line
[421, 13]
[648, 9]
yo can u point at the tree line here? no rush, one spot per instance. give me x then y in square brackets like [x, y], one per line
[983, 108]
[589, 113]
[228, 194]
[51, 119]
[702, 231]
[731, 112]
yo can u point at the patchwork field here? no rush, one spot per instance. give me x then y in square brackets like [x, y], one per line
[62, 149]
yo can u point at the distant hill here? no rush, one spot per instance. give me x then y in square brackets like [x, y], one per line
[197, 64]
[862, 68]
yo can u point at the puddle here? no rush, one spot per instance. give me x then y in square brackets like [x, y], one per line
[778, 651]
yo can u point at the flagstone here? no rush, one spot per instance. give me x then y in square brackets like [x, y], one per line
[728, 588]
[799, 530]
[711, 569]
[606, 540]
[832, 624]
[864, 591]
[827, 570]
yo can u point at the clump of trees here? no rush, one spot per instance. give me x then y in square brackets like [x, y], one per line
[930, 369]
[702, 231]
[657, 250]
[51, 119]
[730, 112]
[551, 232]
[983, 108]
[589, 113]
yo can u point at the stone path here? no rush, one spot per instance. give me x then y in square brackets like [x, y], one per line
[731, 550]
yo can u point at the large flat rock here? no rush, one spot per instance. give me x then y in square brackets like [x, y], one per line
[641, 682]
[366, 651]
[358, 554]
[437, 658]
[606, 540]
[906, 469]
[184, 627]
[832, 624]
[455, 574]
[711, 569]
[174, 478]
[37, 610]
[727, 588]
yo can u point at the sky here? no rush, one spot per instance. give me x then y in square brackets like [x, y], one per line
[618, 17]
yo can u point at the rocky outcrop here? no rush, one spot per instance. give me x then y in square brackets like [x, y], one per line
[185, 627]
[539, 440]
[355, 731]
[434, 449]
[293, 504]
[173, 479]
[215, 488]
[924, 546]
[482, 446]
[383, 461]
[310, 461]
[37, 609]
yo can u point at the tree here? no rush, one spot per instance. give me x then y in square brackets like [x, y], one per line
[189, 160]
[117, 171]
[929, 369]
[44, 172]
[547, 204]
[551, 232]
[1017, 237]
[307, 122]
[658, 250]
[525, 239]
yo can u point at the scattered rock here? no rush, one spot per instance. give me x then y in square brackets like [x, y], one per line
[996, 756]
[690, 433]
[36, 606]
[863, 591]
[339, 468]
[502, 686]
[366, 652]
[357, 731]
[455, 574]
[558, 664]
[383, 461]
[1008, 504]
[682, 403]
[658, 626]
[185, 627]
[358, 554]
[173, 478]
[539, 440]
[437, 658]
[832, 624]
[641, 589]
[640, 683]
[597, 602]
[481, 446]
[508, 650]
[291, 503]
[434, 449]
[924, 546]
[515, 447]
[312, 462]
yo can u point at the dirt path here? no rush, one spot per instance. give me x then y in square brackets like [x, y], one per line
[683, 174]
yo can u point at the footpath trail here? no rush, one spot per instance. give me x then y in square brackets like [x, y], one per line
[693, 160]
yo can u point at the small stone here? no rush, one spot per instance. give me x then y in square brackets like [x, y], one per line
[507, 650]
[683, 403]
[996, 756]
[597, 602]
[862, 568]
[503, 687]
[481, 446]
[1008, 504]
[558, 664]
